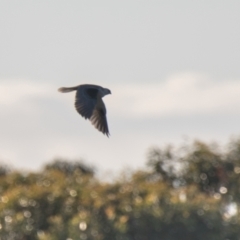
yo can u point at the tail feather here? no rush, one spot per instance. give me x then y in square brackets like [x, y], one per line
[65, 89]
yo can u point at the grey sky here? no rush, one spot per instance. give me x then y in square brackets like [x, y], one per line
[172, 66]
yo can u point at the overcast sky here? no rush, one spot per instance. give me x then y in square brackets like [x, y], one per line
[172, 67]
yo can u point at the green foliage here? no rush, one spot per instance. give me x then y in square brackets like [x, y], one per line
[189, 193]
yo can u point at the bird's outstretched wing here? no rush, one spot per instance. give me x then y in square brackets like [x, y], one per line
[98, 118]
[86, 100]
[89, 104]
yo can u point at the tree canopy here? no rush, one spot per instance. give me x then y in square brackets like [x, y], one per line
[187, 193]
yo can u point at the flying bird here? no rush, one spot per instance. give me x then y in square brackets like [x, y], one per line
[89, 104]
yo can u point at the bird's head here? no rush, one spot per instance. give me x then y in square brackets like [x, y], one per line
[105, 91]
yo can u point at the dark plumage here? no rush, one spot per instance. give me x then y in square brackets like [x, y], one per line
[89, 104]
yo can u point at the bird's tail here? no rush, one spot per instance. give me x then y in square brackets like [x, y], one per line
[65, 89]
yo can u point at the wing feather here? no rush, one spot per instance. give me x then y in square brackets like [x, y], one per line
[85, 103]
[99, 119]
[89, 104]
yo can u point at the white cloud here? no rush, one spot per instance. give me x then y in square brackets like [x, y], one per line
[18, 96]
[181, 94]
[13, 91]
[39, 123]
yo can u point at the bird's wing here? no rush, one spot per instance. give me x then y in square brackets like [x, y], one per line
[99, 119]
[86, 100]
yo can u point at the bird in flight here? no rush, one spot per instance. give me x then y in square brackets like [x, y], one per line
[89, 104]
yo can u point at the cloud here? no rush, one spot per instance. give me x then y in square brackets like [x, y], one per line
[39, 123]
[179, 95]
[13, 91]
[20, 98]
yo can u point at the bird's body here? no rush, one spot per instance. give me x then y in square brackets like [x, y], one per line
[89, 104]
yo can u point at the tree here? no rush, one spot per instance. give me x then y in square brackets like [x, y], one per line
[187, 193]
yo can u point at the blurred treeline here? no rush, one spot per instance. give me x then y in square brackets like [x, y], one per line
[192, 192]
